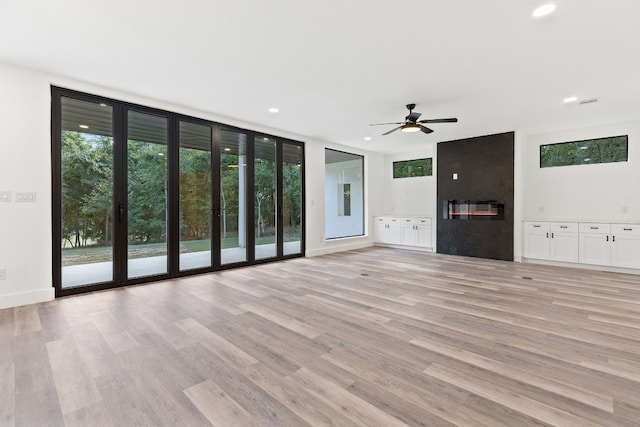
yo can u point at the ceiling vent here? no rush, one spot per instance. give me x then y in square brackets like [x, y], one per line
[588, 101]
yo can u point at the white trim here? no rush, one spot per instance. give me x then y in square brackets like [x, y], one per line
[607, 268]
[340, 248]
[24, 298]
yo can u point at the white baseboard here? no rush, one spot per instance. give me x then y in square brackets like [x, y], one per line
[607, 268]
[24, 298]
[410, 248]
[339, 248]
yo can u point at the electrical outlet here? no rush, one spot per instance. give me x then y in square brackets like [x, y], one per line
[3, 273]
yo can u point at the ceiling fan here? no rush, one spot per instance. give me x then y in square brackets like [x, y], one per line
[412, 124]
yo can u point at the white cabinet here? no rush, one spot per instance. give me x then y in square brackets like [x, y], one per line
[403, 231]
[617, 245]
[594, 243]
[564, 242]
[551, 241]
[625, 245]
[388, 230]
[536, 240]
[605, 244]
[416, 232]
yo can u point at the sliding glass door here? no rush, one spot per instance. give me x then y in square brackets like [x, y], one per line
[147, 194]
[233, 196]
[85, 153]
[265, 197]
[141, 194]
[196, 209]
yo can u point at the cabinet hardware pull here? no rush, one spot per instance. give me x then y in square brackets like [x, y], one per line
[593, 228]
[564, 226]
[628, 229]
[552, 235]
[547, 235]
[607, 238]
[614, 238]
[536, 226]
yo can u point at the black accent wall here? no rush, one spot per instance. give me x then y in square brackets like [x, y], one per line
[485, 172]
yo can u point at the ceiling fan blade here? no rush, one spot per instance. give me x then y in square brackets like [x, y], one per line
[452, 120]
[412, 117]
[425, 129]
[392, 130]
[378, 124]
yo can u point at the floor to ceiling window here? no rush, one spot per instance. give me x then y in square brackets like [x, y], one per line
[344, 194]
[292, 193]
[85, 156]
[233, 196]
[265, 186]
[141, 194]
[195, 196]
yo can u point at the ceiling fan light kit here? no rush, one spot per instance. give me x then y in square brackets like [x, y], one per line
[411, 123]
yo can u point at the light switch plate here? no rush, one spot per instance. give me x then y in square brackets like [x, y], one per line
[25, 196]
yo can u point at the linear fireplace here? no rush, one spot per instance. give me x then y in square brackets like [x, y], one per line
[488, 210]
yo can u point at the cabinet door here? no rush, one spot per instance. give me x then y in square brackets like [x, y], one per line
[564, 246]
[595, 243]
[595, 249]
[536, 240]
[381, 230]
[395, 231]
[408, 232]
[424, 235]
[625, 246]
[564, 243]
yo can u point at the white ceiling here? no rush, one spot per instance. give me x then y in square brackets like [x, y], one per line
[334, 66]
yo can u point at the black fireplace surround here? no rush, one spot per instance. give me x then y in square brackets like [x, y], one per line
[475, 193]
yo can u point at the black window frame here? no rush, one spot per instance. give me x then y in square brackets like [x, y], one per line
[581, 157]
[120, 109]
[428, 167]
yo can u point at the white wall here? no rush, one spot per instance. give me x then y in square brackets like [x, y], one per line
[25, 165]
[409, 196]
[599, 192]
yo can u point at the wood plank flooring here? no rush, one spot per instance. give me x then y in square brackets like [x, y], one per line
[375, 337]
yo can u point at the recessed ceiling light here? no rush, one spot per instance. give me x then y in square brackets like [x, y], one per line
[83, 126]
[227, 149]
[367, 138]
[570, 99]
[544, 10]
[274, 110]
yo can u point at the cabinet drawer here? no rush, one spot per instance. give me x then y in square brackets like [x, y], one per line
[423, 221]
[565, 227]
[540, 227]
[625, 229]
[596, 228]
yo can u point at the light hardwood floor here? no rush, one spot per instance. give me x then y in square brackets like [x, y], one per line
[376, 337]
